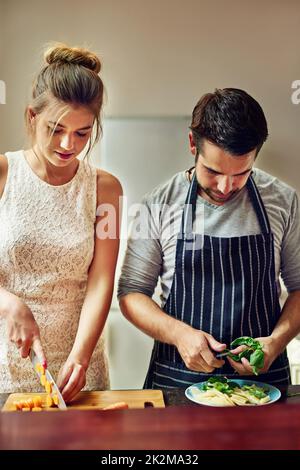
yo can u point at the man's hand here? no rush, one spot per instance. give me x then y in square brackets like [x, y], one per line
[270, 353]
[197, 349]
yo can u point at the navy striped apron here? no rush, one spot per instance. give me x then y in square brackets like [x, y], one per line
[225, 287]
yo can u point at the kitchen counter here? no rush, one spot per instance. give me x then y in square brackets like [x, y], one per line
[181, 425]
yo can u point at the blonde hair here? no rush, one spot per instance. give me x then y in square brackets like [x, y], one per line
[69, 76]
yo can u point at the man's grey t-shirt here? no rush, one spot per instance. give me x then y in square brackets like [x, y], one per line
[152, 246]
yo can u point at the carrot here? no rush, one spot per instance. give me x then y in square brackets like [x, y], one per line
[37, 401]
[49, 401]
[55, 399]
[120, 405]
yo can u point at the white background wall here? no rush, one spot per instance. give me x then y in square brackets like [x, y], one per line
[159, 57]
[142, 151]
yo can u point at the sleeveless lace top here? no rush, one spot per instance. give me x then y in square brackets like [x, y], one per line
[46, 247]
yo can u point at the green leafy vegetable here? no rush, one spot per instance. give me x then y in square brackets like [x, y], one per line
[214, 379]
[257, 392]
[253, 352]
[232, 389]
[245, 340]
[257, 360]
[220, 383]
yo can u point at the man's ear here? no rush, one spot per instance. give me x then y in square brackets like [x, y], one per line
[193, 148]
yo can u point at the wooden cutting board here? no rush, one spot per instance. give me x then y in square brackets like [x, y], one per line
[99, 400]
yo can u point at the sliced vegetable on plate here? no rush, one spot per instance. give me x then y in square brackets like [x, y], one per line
[221, 391]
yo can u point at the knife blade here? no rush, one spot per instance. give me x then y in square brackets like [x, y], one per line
[55, 390]
[223, 354]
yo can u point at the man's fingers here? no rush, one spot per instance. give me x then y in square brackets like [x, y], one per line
[247, 365]
[204, 367]
[214, 344]
[208, 353]
[211, 360]
[238, 349]
[241, 368]
[236, 366]
[199, 364]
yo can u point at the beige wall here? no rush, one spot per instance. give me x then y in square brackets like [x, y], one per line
[160, 56]
[1, 30]
[1, 55]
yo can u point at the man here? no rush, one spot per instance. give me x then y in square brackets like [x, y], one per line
[222, 283]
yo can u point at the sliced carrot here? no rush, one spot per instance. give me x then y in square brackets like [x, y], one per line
[18, 405]
[48, 387]
[121, 405]
[29, 403]
[37, 401]
[49, 401]
[55, 399]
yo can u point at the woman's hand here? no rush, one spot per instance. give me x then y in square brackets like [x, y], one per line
[22, 328]
[270, 350]
[71, 378]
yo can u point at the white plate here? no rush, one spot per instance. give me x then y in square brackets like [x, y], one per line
[273, 392]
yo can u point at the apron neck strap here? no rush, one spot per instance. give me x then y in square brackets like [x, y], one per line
[258, 206]
[189, 209]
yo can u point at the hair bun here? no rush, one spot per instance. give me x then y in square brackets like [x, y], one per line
[61, 53]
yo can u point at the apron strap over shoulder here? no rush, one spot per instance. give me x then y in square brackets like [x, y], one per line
[189, 209]
[258, 205]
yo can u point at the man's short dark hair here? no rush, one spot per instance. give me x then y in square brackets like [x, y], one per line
[231, 119]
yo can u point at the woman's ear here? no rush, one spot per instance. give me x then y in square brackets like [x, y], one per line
[31, 115]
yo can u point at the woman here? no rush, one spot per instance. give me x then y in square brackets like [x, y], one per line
[57, 271]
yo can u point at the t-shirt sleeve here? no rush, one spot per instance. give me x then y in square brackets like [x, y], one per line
[290, 252]
[143, 258]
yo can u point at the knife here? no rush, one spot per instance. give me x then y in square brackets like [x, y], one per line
[55, 390]
[223, 354]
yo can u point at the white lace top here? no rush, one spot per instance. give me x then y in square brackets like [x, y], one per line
[46, 247]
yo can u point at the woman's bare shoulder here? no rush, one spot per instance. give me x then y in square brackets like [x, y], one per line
[3, 160]
[3, 172]
[108, 184]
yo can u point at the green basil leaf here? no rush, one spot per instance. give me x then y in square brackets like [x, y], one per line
[247, 353]
[257, 359]
[247, 340]
[215, 379]
[235, 357]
